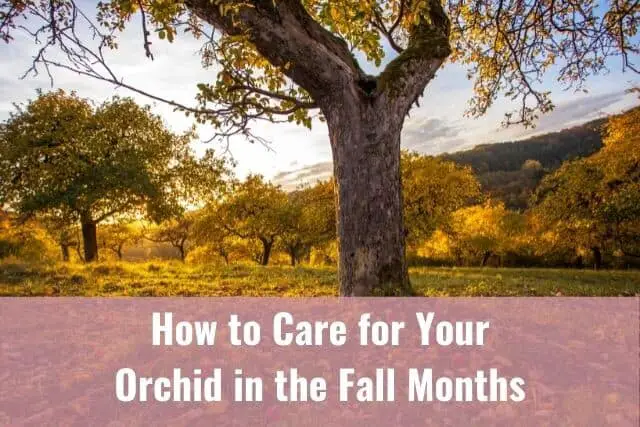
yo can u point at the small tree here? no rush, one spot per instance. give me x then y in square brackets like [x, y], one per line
[177, 232]
[24, 238]
[432, 190]
[256, 210]
[309, 220]
[64, 233]
[481, 231]
[532, 164]
[116, 236]
[211, 233]
[58, 154]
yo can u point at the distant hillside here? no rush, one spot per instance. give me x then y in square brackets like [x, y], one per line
[550, 149]
[510, 171]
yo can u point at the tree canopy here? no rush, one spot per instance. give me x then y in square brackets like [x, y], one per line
[267, 50]
[433, 189]
[60, 156]
[256, 210]
[595, 202]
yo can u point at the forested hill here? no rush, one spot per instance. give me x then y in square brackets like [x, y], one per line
[549, 149]
[509, 171]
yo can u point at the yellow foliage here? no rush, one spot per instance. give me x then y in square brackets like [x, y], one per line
[437, 247]
[28, 241]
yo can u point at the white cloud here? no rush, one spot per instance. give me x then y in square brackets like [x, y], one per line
[437, 126]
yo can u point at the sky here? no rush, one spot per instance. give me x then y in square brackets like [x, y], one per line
[296, 155]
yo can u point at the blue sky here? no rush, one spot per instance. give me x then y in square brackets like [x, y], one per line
[296, 154]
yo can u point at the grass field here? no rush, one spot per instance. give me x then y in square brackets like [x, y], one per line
[175, 279]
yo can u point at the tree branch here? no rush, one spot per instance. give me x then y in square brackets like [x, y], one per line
[145, 32]
[285, 34]
[404, 78]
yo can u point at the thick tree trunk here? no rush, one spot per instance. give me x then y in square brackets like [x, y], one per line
[365, 117]
[293, 259]
[90, 241]
[365, 140]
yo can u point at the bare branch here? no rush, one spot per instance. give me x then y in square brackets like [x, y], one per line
[145, 32]
[515, 42]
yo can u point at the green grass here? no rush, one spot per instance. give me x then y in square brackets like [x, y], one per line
[524, 282]
[175, 279]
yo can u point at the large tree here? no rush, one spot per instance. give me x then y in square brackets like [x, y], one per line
[280, 59]
[60, 156]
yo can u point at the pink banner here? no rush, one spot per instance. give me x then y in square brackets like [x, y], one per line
[319, 362]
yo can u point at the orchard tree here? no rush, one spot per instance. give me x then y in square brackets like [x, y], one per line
[64, 232]
[594, 202]
[210, 232]
[285, 60]
[115, 236]
[433, 189]
[620, 158]
[482, 231]
[59, 155]
[309, 220]
[256, 211]
[24, 238]
[569, 201]
[178, 232]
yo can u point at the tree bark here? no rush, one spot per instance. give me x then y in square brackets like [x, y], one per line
[266, 251]
[597, 257]
[294, 251]
[365, 140]
[90, 241]
[65, 252]
[485, 258]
